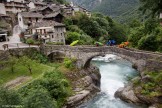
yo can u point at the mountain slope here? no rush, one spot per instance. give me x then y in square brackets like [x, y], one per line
[117, 9]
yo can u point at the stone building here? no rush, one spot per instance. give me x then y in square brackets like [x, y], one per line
[49, 31]
[15, 6]
[2, 9]
[78, 8]
[36, 4]
[26, 19]
[67, 10]
[58, 17]
[43, 10]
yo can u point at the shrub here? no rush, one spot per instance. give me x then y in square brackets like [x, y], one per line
[39, 98]
[39, 57]
[8, 97]
[30, 41]
[51, 84]
[68, 63]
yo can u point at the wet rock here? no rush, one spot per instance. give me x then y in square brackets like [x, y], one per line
[127, 94]
[154, 106]
[74, 100]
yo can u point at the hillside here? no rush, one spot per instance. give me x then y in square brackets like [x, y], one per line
[120, 10]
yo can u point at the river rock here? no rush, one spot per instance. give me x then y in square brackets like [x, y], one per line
[78, 97]
[127, 94]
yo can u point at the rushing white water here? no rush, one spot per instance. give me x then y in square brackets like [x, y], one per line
[114, 74]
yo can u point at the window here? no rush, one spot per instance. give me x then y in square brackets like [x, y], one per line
[19, 19]
[52, 36]
[36, 19]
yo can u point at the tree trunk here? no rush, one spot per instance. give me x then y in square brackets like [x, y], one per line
[30, 70]
[12, 69]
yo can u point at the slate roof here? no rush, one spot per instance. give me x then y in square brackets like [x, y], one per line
[52, 15]
[31, 14]
[45, 23]
[53, 8]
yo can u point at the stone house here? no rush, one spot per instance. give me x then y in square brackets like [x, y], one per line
[50, 13]
[3, 9]
[83, 10]
[36, 4]
[49, 31]
[15, 6]
[67, 10]
[78, 8]
[58, 17]
[26, 19]
[44, 10]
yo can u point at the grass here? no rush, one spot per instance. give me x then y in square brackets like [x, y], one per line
[6, 75]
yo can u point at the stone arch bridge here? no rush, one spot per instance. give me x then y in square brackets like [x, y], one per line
[141, 59]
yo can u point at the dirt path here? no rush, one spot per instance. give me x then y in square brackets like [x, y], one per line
[17, 81]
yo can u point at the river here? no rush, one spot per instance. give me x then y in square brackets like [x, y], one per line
[114, 74]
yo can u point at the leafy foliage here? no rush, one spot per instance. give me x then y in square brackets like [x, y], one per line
[28, 63]
[52, 84]
[39, 98]
[39, 57]
[147, 35]
[98, 27]
[154, 7]
[8, 97]
[30, 41]
[153, 86]
[69, 63]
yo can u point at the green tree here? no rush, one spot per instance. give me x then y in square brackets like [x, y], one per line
[72, 36]
[134, 23]
[154, 7]
[148, 43]
[135, 35]
[9, 97]
[39, 98]
[28, 63]
[12, 63]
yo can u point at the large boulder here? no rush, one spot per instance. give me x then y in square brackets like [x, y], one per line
[127, 94]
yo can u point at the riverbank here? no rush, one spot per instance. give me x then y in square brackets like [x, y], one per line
[85, 85]
[145, 89]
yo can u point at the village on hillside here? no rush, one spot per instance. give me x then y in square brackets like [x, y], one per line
[36, 18]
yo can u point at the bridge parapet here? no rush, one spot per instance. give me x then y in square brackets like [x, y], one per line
[86, 53]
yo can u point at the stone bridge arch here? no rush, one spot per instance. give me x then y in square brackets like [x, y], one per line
[56, 55]
[137, 63]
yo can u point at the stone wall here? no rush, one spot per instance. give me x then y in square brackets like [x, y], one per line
[4, 54]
